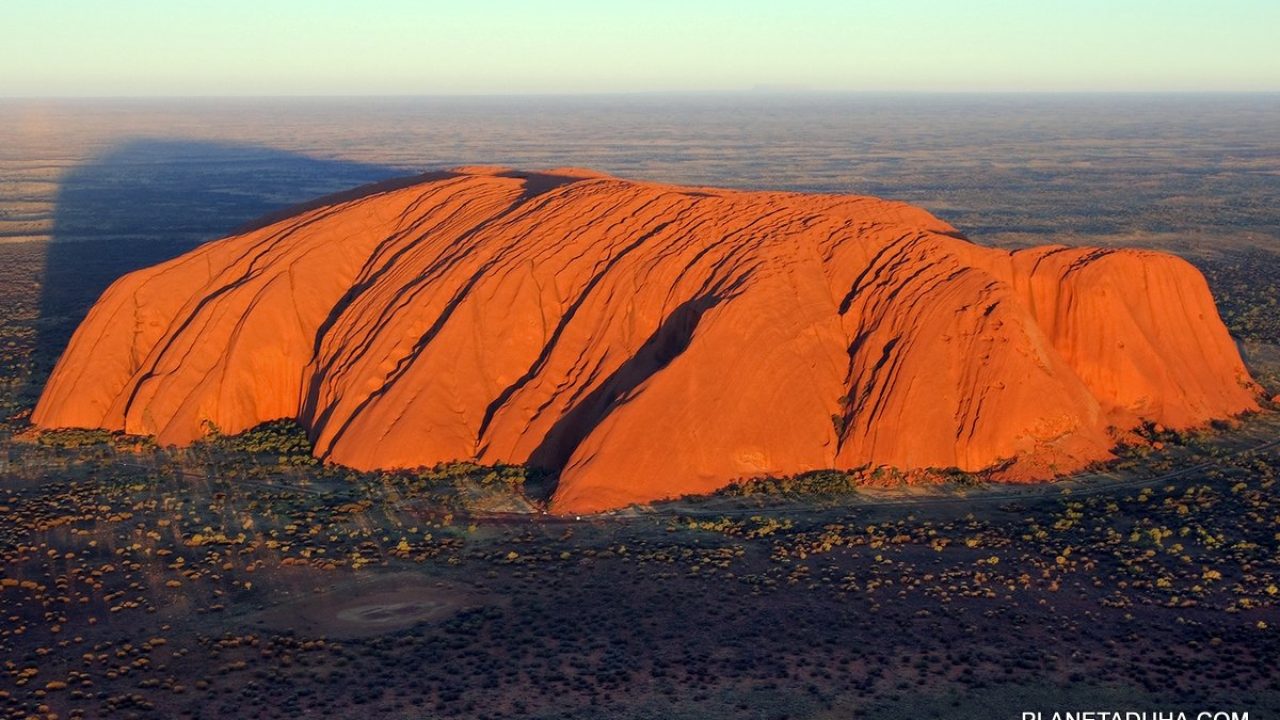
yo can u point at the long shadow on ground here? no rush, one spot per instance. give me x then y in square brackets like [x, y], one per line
[146, 201]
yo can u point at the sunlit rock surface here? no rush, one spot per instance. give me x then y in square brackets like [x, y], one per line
[647, 341]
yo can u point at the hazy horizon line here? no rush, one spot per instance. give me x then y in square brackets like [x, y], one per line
[769, 92]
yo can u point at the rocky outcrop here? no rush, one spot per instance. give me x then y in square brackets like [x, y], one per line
[648, 341]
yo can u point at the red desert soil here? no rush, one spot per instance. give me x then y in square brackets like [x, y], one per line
[648, 341]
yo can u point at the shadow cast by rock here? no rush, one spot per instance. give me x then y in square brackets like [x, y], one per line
[148, 200]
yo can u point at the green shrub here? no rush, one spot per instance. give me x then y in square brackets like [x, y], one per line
[283, 439]
[74, 438]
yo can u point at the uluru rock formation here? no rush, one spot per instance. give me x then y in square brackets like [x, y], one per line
[647, 341]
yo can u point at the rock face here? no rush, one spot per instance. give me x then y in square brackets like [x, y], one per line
[648, 341]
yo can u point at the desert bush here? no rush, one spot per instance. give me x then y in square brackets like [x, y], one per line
[283, 439]
[74, 438]
[819, 482]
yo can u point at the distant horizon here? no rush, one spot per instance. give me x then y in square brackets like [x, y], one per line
[746, 93]
[277, 48]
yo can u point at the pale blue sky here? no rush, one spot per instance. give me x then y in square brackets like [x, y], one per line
[328, 47]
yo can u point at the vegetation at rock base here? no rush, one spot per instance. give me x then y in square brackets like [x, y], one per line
[283, 439]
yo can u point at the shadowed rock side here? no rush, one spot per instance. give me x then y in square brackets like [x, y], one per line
[648, 341]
